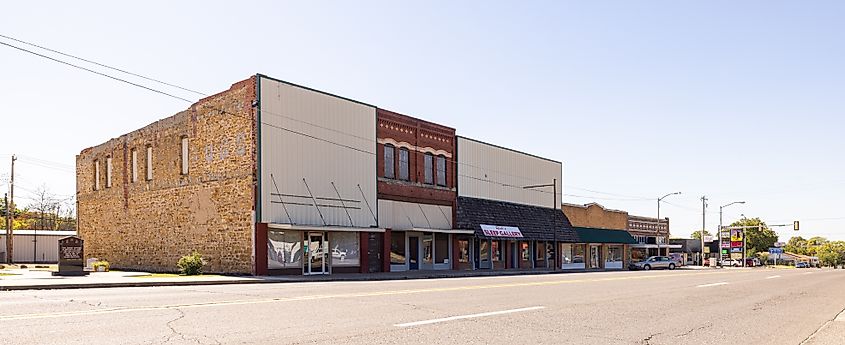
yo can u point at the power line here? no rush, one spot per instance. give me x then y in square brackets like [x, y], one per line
[96, 72]
[222, 111]
[101, 65]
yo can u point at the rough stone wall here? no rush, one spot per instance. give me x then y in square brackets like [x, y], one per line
[595, 216]
[150, 224]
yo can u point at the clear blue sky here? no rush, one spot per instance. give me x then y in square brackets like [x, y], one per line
[733, 100]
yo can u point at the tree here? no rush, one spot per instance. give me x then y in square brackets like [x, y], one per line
[757, 239]
[797, 245]
[831, 253]
[697, 235]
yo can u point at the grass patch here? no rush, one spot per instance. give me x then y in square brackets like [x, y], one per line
[8, 274]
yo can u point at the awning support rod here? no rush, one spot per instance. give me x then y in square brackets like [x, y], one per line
[344, 205]
[281, 201]
[315, 201]
[368, 204]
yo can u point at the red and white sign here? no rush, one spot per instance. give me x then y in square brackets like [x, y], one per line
[501, 231]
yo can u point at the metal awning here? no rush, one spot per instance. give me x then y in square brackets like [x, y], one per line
[650, 246]
[296, 227]
[443, 231]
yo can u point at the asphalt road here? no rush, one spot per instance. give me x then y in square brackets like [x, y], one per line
[756, 306]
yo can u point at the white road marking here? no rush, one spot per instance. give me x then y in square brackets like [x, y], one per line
[808, 272]
[772, 277]
[462, 317]
[714, 284]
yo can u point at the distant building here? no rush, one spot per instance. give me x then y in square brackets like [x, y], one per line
[606, 243]
[652, 236]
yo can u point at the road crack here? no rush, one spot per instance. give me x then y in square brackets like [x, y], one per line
[708, 325]
[647, 340]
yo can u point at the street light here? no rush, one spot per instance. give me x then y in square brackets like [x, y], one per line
[720, 228]
[658, 218]
[554, 207]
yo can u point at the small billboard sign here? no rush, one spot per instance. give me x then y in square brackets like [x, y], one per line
[736, 235]
[708, 239]
[775, 250]
[736, 250]
[736, 244]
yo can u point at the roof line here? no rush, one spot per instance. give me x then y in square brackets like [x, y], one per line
[510, 149]
[314, 90]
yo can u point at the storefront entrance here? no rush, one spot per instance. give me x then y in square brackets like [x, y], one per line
[317, 253]
[595, 256]
[413, 253]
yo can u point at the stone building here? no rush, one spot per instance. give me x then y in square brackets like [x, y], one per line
[269, 177]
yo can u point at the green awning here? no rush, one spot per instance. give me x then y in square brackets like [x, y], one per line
[594, 235]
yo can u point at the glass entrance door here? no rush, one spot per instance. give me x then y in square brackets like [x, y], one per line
[595, 256]
[317, 253]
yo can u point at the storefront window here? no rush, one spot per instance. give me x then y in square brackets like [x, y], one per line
[566, 253]
[345, 249]
[526, 251]
[614, 253]
[428, 244]
[550, 250]
[397, 248]
[441, 248]
[484, 250]
[541, 251]
[463, 250]
[284, 249]
[497, 251]
[578, 254]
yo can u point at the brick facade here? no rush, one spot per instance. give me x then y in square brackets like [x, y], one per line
[419, 137]
[150, 224]
[595, 216]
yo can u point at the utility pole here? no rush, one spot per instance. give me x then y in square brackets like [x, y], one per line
[8, 227]
[703, 226]
[11, 214]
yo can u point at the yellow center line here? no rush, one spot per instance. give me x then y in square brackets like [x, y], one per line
[334, 296]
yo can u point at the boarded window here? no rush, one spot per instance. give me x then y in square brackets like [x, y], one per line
[389, 161]
[108, 172]
[96, 174]
[134, 165]
[184, 155]
[149, 163]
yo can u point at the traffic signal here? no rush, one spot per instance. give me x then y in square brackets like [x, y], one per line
[795, 225]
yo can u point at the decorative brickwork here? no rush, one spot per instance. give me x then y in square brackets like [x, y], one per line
[149, 224]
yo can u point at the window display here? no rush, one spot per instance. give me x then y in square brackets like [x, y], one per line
[345, 249]
[284, 249]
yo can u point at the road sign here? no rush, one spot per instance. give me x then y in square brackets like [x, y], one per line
[708, 239]
[775, 250]
[779, 244]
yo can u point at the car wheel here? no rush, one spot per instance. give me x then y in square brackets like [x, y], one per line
[647, 267]
[671, 266]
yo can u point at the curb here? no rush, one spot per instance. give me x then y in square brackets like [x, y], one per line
[293, 279]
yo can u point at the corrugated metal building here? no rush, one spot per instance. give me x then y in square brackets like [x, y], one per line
[34, 246]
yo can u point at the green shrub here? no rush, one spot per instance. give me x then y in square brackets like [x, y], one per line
[102, 263]
[191, 265]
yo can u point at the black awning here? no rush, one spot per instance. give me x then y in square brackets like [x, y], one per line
[536, 223]
[595, 235]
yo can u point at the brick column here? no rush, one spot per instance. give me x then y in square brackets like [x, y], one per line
[261, 249]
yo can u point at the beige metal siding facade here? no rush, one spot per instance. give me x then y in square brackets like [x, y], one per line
[490, 172]
[323, 139]
[398, 215]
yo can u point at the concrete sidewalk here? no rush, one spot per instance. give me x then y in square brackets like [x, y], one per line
[23, 279]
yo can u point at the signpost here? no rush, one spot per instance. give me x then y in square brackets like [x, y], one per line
[775, 253]
[71, 257]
